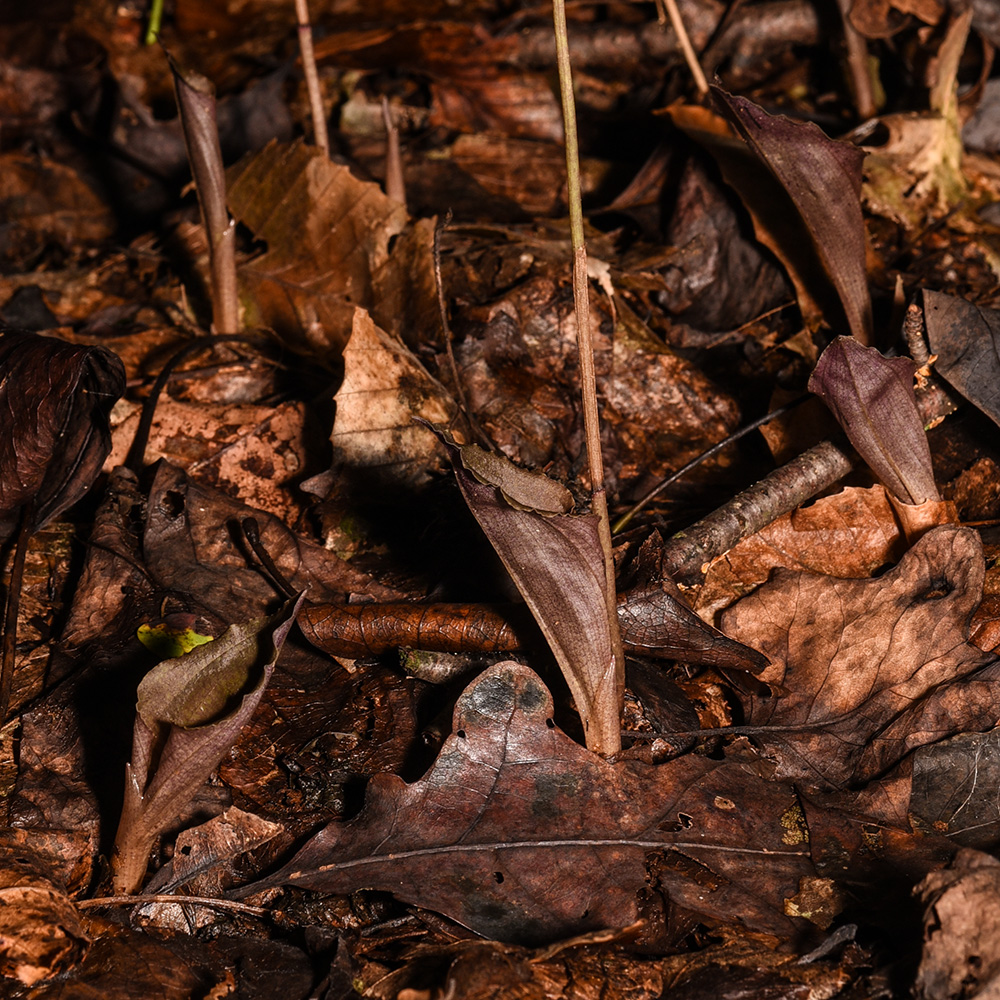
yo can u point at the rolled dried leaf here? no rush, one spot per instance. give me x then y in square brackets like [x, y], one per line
[56, 436]
[873, 400]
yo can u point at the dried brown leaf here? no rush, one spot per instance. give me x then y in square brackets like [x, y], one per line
[871, 669]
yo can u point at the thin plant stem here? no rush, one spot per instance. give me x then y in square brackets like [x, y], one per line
[320, 133]
[155, 22]
[9, 645]
[220, 904]
[684, 40]
[395, 186]
[608, 739]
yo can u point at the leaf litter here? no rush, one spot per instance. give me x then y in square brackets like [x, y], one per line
[808, 755]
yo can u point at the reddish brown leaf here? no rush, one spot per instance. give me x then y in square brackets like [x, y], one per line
[522, 834]
[871, 669]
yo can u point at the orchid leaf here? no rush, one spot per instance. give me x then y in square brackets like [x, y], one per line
[823, 179]
[189, 712]
[873, 400]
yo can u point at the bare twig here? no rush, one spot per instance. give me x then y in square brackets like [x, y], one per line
[607, 738]
[858, 65]
[668, 10]
[312, 76]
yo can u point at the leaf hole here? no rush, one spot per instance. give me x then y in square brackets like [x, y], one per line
[186, 850]
[551, 723]
[461, 734]
[172, 504]
[498, 878]
[936, 589]
[685, 821]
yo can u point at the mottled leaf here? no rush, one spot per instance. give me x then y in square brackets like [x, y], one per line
[873, 400]
[54, 441]
[189, 712]
[521, 834]
[823, 179]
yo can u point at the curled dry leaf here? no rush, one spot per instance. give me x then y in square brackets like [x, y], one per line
[58, 396]
[521, 834]
[822, 177]
[189, 712]
[384, 388]
[871, 669]
[873, 400]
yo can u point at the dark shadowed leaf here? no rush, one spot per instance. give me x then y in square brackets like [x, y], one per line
[966, 339]
[57, 397]
[872, 398]
[189, 712]
[522, 834]
[872, 669]
[823, 179]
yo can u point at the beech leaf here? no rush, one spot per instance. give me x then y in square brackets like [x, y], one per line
[57, 397]
[873, 400]
[189, 712]
[823, 179]
[521, 834]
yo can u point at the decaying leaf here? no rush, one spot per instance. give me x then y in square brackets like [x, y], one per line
[961, 929]
[872, 398]
[327, 233]
[871, 669]
[189, 712]
[522, 834]
[965, 338]
[385, 386]
[823, 179]
[521, 488]
[58, 396]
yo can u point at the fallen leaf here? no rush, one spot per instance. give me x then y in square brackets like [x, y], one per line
[869, 669]
[327, 234]
[961, 929]
[384, 388]
[521, 834]
[59, 396]
[965, 338]
[188, 714]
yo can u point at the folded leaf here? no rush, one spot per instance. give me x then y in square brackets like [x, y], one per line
[189, 712]
[873, 400]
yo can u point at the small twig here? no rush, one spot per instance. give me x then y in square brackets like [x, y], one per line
[623, 521]
[395, 186]
[220, 904]
[858, 64]
[251, 531]
[320, 133]
[608, 740]
[669, 7]
[9, 646]
[136, 455]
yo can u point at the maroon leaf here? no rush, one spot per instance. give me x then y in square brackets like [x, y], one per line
[521, 834]
[56, 437]
[823, 179]
[873, 400]
[189, 711]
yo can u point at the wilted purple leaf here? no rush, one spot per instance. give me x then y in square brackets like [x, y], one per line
[189, 711]
[873, 400]
[823, 179]
[55, 438]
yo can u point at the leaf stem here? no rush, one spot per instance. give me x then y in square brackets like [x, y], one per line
[320, 133]
[608, 738]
